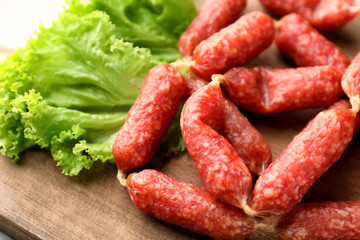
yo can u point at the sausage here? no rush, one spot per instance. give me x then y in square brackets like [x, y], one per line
[326, 220]
[297, 39]
[340, 104]
[329, 15]
[303, 161]
[247, 141]
[241, 134]
[265, 90]
[324, 15]
[351, 82]
[149, 118]
[213, 16]
[220, 167]
[193, 83]
[187, 206]
[234, 45]
[343, 103]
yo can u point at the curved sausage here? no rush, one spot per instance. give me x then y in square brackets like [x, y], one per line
[213, 16]
[193, 83]
[303, 161]
[316, 221]
[234, 45]
[351, 82]
[265, 90]
[297, 39]
[247, 141]
[344, 104]
[187, 206]
[324, 15]
[220, 167]
[241, 134]
[149, 118]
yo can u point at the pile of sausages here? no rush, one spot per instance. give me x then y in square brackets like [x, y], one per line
[228, 151]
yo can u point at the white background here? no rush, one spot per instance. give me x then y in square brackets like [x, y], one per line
[19, 19]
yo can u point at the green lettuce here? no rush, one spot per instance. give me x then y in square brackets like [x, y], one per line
[153, 24]
[69, 90]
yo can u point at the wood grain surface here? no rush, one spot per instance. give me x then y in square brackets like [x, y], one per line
[38, 202]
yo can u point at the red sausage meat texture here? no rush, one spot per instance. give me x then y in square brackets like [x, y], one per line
[265, 90]
[343, 103]
[304, 160]
[324, 15]
[213, 16]
[247, 141]
[187, 206]
[234, 45]
[193, 83]
[297, 39]
[321, 221]
[351, 82]
[220, 167]
[149, 118]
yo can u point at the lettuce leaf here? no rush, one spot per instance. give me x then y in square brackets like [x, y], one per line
[12, 83]
[153, 24]
[83, 65]
[69, 90]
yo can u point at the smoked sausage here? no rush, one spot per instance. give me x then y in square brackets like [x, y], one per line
[351, 82]
[187, 206]
[266, 90]
[300, 41]
[324, 15]
[220, 167]
[213, 16]
[193, 83]
[234, 45]
[241, 134]
[247, 141]
[303, 161]
[148, 119]
[321, 221]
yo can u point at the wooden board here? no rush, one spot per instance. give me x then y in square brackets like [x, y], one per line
[38, 202]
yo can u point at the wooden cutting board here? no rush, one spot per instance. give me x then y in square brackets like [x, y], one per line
[38, 202]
